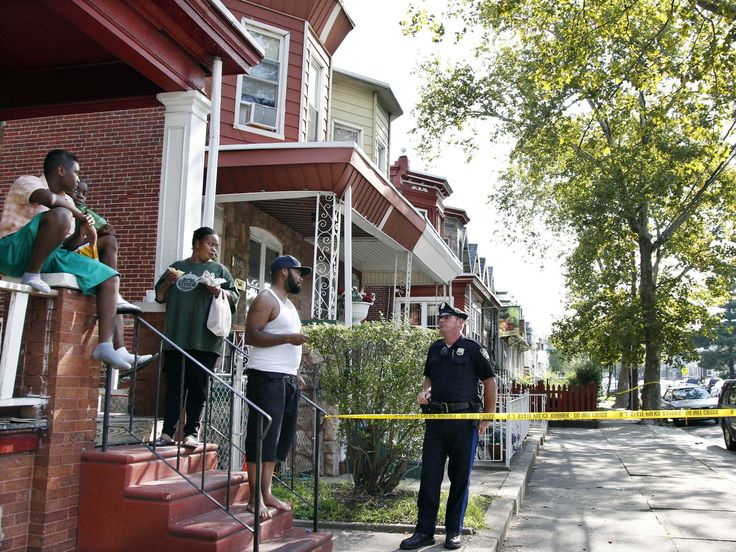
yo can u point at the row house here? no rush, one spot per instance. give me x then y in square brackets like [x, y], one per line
[513, 337]
[184, 112]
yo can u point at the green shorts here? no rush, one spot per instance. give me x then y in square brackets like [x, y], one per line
[15, 252]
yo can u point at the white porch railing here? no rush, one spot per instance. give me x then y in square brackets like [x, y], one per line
[504, 438]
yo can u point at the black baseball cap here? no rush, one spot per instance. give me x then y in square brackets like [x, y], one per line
[448, 310]
[287, 261]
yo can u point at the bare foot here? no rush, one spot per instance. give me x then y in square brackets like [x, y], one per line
[273, 502]
[265, 514]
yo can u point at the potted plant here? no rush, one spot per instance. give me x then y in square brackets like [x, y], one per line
[362, 301]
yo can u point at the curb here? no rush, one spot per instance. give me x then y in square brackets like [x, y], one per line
[508, 501]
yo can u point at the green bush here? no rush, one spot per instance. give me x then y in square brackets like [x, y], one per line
[585, 371]
[374, 368]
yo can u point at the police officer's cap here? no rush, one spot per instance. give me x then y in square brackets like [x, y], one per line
[448, 310]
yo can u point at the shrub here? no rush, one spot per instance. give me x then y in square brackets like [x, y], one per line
[374, 368]
[585, 371]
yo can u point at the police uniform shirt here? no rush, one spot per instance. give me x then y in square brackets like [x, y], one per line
[455, 371]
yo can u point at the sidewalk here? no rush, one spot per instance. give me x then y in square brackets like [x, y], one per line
[628, 486]
[507, 488]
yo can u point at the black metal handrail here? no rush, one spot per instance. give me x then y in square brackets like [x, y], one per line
[319, 414]
[234, 395]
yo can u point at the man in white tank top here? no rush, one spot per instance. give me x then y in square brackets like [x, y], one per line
[273, 330]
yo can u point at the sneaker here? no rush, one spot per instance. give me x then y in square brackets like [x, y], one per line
[164, 441]
[190, 441]
[127, 308]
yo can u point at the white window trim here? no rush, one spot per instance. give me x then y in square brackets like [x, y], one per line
[284, 37]
[380, 142]
[314, 62]
[424, 302]
[349, 126]
[265, 238]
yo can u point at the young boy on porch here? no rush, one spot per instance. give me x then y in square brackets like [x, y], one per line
[37, 234]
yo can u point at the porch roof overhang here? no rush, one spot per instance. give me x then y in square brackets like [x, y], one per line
[301, 170]
[478, 285]
[79, 56]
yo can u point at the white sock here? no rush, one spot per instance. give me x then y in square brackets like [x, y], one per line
[34, 280]
[105, 352]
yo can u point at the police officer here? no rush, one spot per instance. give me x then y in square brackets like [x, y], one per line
[454, 366]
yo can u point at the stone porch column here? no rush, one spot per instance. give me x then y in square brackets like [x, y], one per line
[182, 174]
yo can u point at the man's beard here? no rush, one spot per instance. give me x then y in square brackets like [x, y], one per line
[292, 286]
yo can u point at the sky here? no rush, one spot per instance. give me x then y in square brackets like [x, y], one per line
[377, 49]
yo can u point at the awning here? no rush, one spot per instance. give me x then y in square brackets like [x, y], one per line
[383, 213]
[81, 56]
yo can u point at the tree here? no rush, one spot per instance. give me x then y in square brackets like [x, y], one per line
[720, 349]
[622, 114]
[374, 368]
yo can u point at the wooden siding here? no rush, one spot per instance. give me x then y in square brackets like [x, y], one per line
[229, 134]
[313, 50]
[353, 103]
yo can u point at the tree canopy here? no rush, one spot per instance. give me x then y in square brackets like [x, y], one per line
[622, 115]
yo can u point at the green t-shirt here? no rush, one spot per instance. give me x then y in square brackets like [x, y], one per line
[98, 220]
[188, 304]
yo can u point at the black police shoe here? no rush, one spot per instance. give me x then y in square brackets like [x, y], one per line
[417, 540]
[453, 541]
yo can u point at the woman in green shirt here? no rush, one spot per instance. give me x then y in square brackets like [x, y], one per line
[188, 301]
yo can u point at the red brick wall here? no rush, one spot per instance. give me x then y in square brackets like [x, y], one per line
[56, 361]
[15, 497]
[120, 155]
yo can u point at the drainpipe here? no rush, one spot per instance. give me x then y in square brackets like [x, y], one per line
[208, 215]
[347, 217]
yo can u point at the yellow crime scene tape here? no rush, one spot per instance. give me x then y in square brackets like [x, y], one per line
[590, 415]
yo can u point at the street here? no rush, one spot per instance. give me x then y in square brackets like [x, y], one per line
[627, 487]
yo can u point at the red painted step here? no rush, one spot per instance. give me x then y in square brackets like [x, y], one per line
[128, 496]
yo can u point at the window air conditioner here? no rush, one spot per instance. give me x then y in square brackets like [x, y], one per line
[261, 116]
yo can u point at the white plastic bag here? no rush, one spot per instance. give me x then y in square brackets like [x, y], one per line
[219, 317]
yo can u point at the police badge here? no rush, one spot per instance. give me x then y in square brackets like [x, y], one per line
[484, 352]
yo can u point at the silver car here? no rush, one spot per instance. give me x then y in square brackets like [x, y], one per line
[688, 398]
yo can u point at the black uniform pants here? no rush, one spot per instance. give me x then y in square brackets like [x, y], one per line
[456, 439]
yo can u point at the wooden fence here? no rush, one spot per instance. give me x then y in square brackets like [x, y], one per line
[563, 398]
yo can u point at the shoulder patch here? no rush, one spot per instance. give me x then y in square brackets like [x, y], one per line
[484, 352]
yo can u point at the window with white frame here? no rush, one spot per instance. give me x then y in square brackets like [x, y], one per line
[314, 100]
[261, 93]
[344, 132]
[381, 155]
[263, 248]
[421, 313]
[475, 326]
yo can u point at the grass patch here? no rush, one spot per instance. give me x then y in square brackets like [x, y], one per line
[339, 503]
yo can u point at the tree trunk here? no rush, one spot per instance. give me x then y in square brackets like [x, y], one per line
[624, 383]
[652, 326]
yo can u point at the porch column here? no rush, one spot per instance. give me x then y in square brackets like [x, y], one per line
[326, 257]
[182, 173]
[402, 286]
[348, 248]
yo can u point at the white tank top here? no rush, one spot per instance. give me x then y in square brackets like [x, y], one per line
[279, 358]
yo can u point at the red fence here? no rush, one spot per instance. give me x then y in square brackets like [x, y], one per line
[563, 398]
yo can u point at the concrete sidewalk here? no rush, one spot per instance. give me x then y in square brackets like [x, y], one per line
[507, 488]
[625, 487]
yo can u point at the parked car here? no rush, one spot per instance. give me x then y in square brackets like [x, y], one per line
[715, 391]
[688, 398]
[727, 399]
[709, 383]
